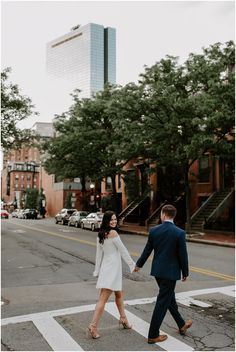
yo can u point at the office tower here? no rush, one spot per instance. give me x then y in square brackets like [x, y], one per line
[84, 58]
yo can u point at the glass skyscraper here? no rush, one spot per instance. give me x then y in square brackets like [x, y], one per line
[84, 58]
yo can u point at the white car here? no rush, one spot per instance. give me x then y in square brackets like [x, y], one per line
[20, 214]
[93, 221]
[76, 218]
[15, 213]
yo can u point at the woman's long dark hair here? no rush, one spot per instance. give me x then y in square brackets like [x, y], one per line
[105, 226]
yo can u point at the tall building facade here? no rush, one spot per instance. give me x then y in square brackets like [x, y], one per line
[22, 169]
[84, 58]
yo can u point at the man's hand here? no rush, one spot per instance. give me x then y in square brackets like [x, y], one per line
[184, 278]
[136, 269]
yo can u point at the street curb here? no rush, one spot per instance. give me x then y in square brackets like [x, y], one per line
[216, 243]
[196, 240]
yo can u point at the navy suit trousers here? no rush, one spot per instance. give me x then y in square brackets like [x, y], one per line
[165, 300]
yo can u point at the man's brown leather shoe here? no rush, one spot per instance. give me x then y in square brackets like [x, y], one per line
[186, 326]
[159, 338]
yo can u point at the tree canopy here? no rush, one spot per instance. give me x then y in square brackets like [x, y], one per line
[14, 108]
[173, 116]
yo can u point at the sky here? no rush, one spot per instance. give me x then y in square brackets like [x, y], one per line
[146, 31]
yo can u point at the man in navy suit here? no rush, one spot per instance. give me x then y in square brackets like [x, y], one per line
[169, 261]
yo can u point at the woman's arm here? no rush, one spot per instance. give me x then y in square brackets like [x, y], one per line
[124, 252]
[99, 256]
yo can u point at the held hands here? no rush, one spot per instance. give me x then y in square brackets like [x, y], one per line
[184, 278]
[136, 269]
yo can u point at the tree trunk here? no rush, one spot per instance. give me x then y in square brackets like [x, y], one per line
[187, 199]
[83, 182]
[114, 193]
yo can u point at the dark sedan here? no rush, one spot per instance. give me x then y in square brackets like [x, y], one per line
[30, 214]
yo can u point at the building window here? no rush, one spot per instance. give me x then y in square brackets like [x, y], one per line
[28, 177]
[17, 177]
[19, 167]
[204, 169]
[108, 184]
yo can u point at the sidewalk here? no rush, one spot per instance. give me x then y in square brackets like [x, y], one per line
[218, 239]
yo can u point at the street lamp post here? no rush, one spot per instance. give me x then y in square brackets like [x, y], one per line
[92, 196]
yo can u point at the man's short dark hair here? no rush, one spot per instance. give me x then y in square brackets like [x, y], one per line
[169, 210]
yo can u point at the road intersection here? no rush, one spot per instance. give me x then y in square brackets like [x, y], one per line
[60, 340]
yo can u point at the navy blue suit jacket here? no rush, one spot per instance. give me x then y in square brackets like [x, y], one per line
[170, 252]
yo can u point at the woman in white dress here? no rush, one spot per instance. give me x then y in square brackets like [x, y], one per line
[108, 268]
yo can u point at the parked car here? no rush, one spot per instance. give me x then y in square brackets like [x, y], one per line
[76, 217]
[92, 221]
[30, 214]
[63, 215]
[15, 213]
[20, 214]
[4, 214]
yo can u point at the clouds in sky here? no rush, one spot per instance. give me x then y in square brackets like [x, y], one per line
[146, 31]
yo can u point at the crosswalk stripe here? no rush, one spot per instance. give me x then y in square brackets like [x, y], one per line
[142, 327]
[58, 338]
[55, 335]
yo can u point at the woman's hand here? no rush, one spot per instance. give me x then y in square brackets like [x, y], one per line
[136, 269]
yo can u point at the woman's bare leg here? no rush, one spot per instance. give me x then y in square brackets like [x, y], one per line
[120, 302]
[120, 306]
[103, 298]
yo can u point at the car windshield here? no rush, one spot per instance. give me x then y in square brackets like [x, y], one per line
[70, 212]
[83, 213]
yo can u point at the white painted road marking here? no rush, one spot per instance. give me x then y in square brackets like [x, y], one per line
[142, 327]
[51, 330]
[186, 299]
[57, 337]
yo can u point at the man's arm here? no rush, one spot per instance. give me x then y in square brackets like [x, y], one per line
[183, 256]
[144, 256]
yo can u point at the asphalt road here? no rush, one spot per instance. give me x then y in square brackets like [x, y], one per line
[48, 293]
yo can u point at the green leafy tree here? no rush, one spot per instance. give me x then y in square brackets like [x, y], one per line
[172, 117]
[189, 109]
[31, 198]
[89, 137]
[14, 108]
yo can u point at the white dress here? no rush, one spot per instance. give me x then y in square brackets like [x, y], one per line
[108, 266]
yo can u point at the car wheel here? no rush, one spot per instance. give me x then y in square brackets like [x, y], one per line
[82, 225]
[63, 222]
[76, 224]
[93, 227]
[69, 223]
[56, 221]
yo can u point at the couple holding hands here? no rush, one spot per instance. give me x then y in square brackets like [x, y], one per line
[170, 260]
